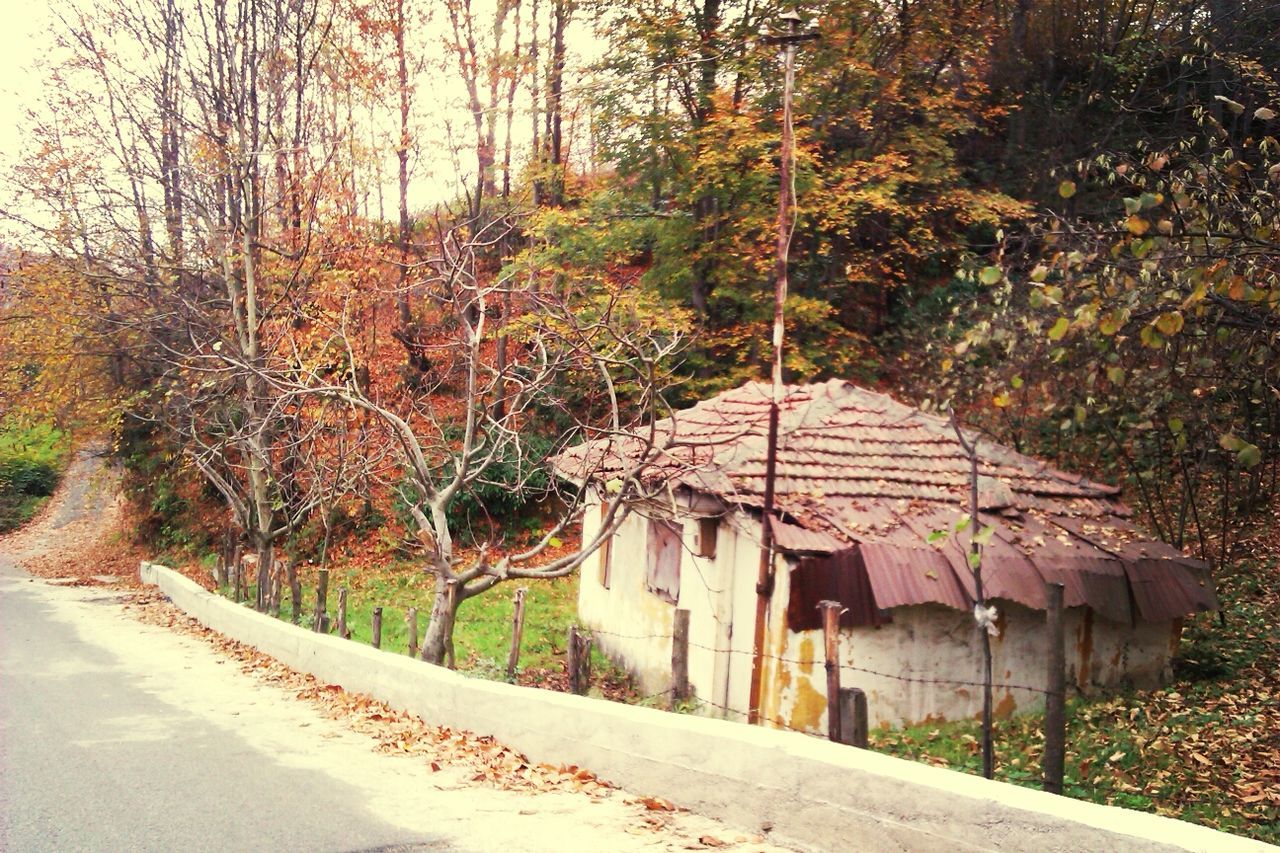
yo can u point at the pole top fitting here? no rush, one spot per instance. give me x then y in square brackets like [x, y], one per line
[792, 17]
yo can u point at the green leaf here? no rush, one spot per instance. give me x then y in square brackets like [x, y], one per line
[1231, 443]
[1115, 375]
[1040, 273]
[990, 275]
[937, 536]
[983, 536]
[1169, 323]
[1059, 329]
[975, 560]
[1067, 189]
[1249, 455]
[555, 542]
[1111, 323]
[1132, 205]
[1016, 382]
[1175, 425]
[963, 523]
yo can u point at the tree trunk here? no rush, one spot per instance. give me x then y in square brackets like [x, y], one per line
[438, 642]
[266, 554]
[402, 155]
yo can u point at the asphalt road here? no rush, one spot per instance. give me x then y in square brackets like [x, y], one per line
[120, 735]
[96, 753]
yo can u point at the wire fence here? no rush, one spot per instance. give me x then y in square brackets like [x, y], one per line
[1087, 788]
[844, 667]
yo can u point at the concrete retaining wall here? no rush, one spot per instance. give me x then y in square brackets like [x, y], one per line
[800, 790]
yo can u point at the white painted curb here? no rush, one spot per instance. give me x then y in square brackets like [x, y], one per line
[801, 790]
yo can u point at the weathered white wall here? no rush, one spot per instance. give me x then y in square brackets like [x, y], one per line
[633, 626]
[933, 644]
[800, 790]
[924, 645]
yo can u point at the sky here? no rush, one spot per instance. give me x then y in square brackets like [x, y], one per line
[25, 39]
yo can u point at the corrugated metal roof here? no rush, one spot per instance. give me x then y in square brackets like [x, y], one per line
[902, 575]
[859, 470]
[800, 540]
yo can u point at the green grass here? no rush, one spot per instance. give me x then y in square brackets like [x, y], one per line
[482, 634]
[32, 459]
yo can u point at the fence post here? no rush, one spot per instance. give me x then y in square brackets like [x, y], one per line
[579, 661]
[411, 627]
[1055, 712]
[277, 585]
[680, 657]
[295, 589]
[322, 602]
[377, 628]
[342, 614]
[831, 643]
[517, 633]
[237, 569]
[853, 717]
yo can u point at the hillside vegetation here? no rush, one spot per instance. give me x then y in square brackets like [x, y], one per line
[337, 278]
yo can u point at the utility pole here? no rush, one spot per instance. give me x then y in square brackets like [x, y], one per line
[981, 613]
[764, 581]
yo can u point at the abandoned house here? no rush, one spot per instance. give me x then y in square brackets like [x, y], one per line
[862, 482]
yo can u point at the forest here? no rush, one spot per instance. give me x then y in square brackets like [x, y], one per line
[334, 278]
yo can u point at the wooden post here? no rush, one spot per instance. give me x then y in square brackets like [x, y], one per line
[1055, 713]
[680, 657]
[236, 553]
[571, 659]
[853, 717]
[276, 590]
[831, 643]
[342, 614]
[517, 633]
[322, 602]
[579, 661]
[377, 628]
[584, 662]
[295, 589]
[411, 628]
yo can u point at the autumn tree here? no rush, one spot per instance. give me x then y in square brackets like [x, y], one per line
[214, 156]
[451, 440]
[1149, 334]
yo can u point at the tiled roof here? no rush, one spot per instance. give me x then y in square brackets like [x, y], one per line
[857, 469]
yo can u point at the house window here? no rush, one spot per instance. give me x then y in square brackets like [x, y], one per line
[606, 550]
[707, 529]
[662, 559]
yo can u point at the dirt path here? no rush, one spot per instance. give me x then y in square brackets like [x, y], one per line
[462, 791]
[77, 533]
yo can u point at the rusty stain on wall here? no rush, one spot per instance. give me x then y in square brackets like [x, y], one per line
[806, 655]
[1084, 644]
[808, 708]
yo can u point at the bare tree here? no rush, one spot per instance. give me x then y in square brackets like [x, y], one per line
[561, 338]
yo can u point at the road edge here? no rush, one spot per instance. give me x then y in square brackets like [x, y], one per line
[800, 790]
